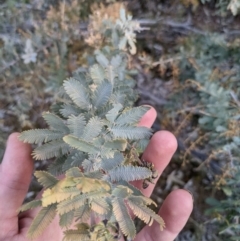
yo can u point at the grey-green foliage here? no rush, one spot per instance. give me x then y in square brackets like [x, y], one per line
[91, 135]
[223, 6]
[211, 94]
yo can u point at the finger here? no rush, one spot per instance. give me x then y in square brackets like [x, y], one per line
[148, 119]
[15, 176]
[159, 151]
[175, 211]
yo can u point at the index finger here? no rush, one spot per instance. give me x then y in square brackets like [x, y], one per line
[159, 151]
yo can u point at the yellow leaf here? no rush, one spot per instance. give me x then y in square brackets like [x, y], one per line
[86, 184]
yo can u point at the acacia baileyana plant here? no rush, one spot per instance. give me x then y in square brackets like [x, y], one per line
[96, 142]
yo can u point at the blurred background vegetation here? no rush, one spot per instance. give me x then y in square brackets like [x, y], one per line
[187, 66]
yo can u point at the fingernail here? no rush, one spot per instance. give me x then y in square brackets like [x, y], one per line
[190, 193]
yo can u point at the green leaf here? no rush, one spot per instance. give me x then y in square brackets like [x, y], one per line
[122, 43]
[110, 163]
[110, 74]
[129, 173]
[118, 144]
[97, 73]
[77, 201]
[102, 94]
[55, 168]
[116, 61]
[81, 144]
[131, 132]
[68, 110]
[75, 159]
[55, 122]
[51, 149]
[123, 15]
[123, 218]
[78, 93]
[66, 219]
[74, 172]
[102, 60]
[141, 145]
[76, 234]
[38, 136]
[83, 213]
[30, 205]
[122, 192]
[113, 113]
[76, 125]
[46, 179]
[131, 116]
[92, 129]
[94, 175]
[41, 221]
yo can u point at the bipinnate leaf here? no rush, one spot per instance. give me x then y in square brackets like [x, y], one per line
[102, 94]
[109, 163]
[102, 60]
[100, 206]
[131, 116]
[142, 144]
[58, 194]
[122, 192]
[51, 149]
[97, 73]
[83, 213]
[129, 173]
[95, 175]
[81, 144]
[86, 184]
[74, 172]
[76, 234]
[142, 200]
[146, 214]
[136, 191]
[68, 110]
[75, 159]
[113, 113]
[123, 218]
[76, 124]
[118, 144]
[41, 221]
[92, 129]
[38, 136]
[66, 219]
[77, 93]
[130, 132]
[110, 74]
[78, 201]
[55, 122]
[46, 179]
[116, 61]
[56, 167]
[30, 205]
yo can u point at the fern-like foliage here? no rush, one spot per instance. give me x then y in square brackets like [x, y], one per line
[96, 142]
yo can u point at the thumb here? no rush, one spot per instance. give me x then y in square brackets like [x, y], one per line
[15, 176]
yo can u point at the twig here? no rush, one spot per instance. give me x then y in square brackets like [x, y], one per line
[152, 97]
[233, 95]
[184, 26]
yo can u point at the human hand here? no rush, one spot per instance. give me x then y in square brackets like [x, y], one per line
[15, 176]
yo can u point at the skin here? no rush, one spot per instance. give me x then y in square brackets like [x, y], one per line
[15, 176]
